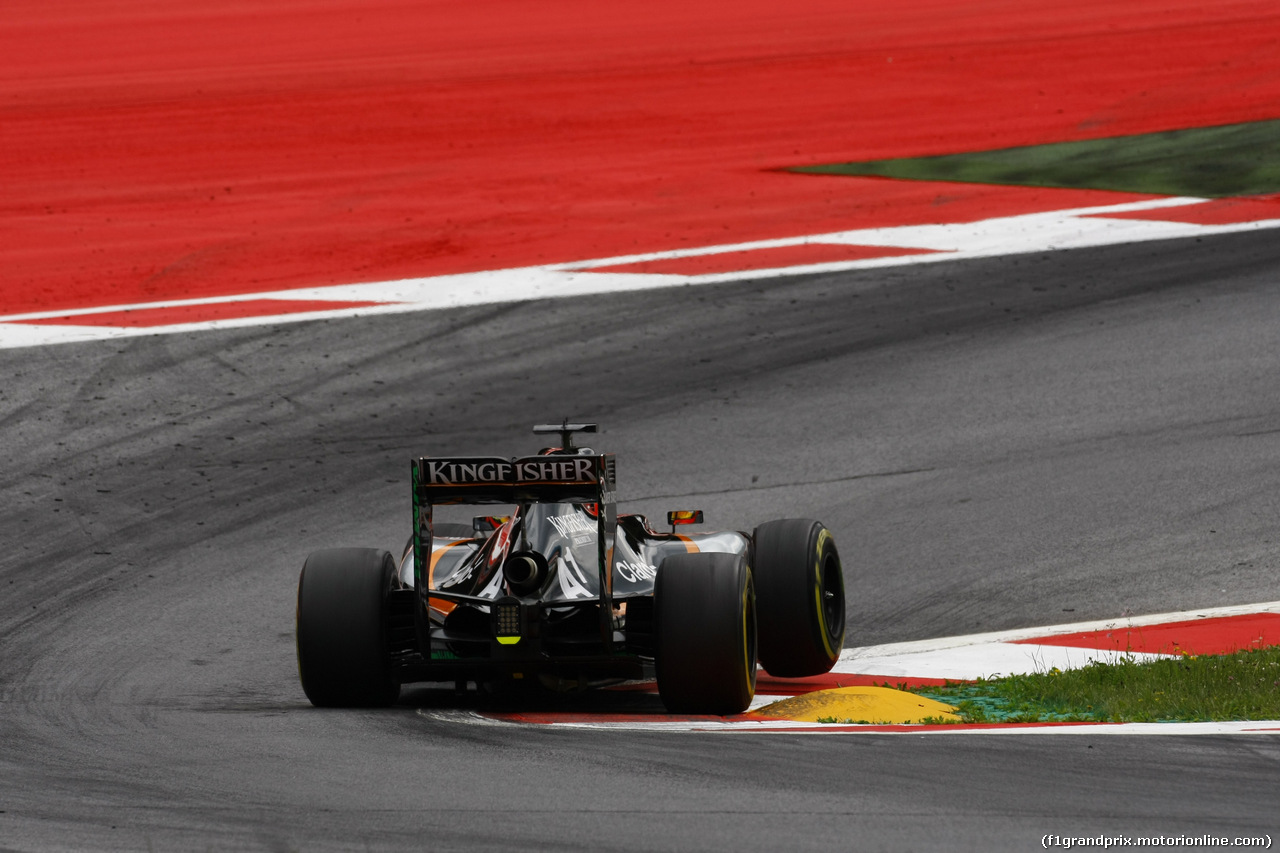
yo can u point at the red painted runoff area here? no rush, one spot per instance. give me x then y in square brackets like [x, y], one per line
[1221, 635]
[154, 150]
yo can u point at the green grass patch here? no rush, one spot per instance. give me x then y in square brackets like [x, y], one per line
[1191, 688]
[848, 721]
[1208, 162]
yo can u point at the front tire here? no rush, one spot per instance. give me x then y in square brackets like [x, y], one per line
[800, 587]
[705, 626]
[342, 628]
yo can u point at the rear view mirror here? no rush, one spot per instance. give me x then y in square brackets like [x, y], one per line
[683, 516]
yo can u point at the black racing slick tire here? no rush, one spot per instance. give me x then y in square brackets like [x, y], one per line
[705, 633]
[342, 629]
[800, 597]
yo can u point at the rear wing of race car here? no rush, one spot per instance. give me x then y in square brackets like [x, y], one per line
[576, 477]
[553, 478]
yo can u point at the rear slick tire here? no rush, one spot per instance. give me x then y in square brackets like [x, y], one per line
[705, 626]
[342, 629]
[800, 592]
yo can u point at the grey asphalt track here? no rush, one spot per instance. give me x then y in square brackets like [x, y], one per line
[1002, 443]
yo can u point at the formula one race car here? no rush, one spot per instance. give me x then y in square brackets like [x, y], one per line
[566, 593]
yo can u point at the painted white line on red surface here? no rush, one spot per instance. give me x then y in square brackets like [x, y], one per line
[966, 663]
[1007, 652]
[1008, 235]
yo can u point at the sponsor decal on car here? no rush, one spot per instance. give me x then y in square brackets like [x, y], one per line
[571, 525]
[635, 572]
[501, 542]
[574, 582]
[532, 470]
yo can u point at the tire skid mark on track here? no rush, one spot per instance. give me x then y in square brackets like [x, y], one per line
[1131, 222]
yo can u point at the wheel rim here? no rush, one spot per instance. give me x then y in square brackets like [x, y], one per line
[832, 591]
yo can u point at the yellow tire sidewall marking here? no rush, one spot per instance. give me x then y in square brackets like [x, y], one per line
[823, 537]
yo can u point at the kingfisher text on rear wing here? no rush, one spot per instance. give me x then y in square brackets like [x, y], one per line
[486, 479]
[538, 469]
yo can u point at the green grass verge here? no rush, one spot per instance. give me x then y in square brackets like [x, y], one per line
[1191, 688]
[1230, 160]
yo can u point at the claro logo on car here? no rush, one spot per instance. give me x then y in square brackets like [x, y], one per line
[635, 572]
[538, 469]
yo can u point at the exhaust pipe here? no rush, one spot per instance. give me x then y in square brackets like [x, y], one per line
[525, 572]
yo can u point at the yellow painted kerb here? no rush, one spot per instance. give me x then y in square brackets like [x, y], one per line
[858, 705]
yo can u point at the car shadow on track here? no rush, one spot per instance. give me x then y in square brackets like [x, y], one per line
[640, 699]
